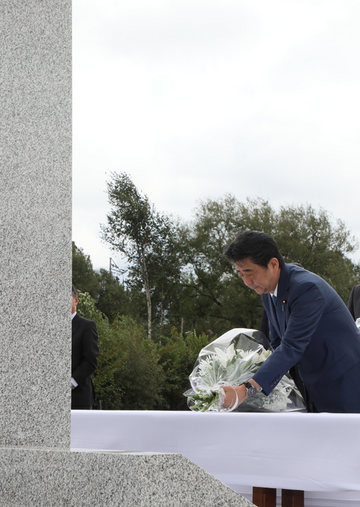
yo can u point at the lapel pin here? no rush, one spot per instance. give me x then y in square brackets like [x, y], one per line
[283, 305]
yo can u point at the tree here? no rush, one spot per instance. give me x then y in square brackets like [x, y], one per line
[144, 236]
[83, 275]
[214, 298]
[321, 244]
[177, 355]
[112, 299]
[140, 375]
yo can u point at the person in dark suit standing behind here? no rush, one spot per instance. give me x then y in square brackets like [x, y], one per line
[354, 302]
[85, 350]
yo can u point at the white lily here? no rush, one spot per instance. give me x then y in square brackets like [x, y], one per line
[225, 356]
[263, 356]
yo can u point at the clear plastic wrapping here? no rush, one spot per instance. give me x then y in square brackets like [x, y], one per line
[231, 360]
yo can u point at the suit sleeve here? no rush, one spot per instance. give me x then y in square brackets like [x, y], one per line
[307, 307]
[90, 351]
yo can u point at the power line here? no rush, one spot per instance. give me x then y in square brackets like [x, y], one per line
[114, 268]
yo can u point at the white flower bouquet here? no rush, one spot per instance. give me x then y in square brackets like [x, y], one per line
[232, 360]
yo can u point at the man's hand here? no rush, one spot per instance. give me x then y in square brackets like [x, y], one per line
[234, 396]
[73, 383]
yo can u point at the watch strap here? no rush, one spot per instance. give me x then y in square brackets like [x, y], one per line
[250, 389]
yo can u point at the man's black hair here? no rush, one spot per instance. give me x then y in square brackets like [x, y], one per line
[253, 245]
[74, 291]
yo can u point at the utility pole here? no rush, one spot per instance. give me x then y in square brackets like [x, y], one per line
[114, 269]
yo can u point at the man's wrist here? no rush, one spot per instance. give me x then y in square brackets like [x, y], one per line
[255, 384]
[251, 388]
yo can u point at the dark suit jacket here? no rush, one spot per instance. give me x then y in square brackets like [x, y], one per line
[84, 354]
[354, 302]
[313, 329]
[294, 373]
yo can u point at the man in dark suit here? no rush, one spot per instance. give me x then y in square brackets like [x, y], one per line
[354, 302]
[84, 354]
[309, 326]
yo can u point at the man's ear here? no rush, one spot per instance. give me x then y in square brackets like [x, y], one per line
[274, 264]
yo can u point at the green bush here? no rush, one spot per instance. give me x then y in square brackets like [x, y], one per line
[177, 358]
[133, 372]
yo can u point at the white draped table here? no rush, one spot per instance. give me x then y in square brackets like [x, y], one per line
[318, 453]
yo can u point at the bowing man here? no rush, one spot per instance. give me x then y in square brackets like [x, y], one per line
[309, 326]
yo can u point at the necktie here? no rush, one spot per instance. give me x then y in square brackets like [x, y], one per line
[274, 298]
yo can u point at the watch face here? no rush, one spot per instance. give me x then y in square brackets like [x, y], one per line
[251, 391]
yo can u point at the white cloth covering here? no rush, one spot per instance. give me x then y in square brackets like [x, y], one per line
[310, 452]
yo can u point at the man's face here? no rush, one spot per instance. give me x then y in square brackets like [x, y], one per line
[74, 302]
[261, 279]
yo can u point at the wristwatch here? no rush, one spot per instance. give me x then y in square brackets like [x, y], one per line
[250, 389]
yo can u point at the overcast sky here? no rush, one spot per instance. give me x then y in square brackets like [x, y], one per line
[196, 99]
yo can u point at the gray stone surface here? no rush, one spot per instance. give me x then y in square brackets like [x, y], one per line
[35, 211]
[72, 479]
